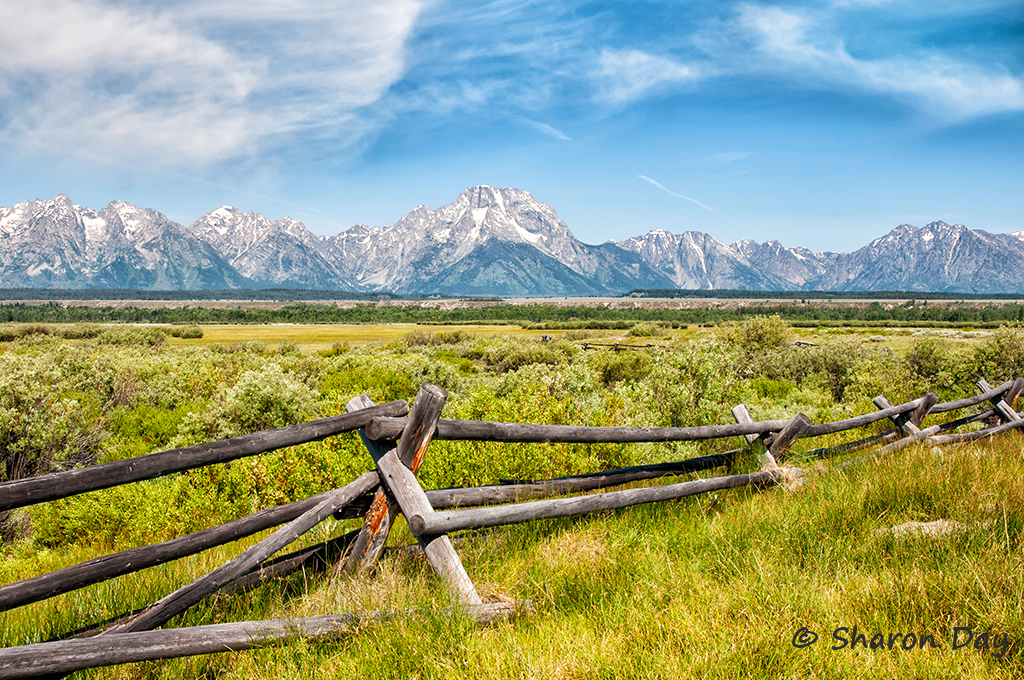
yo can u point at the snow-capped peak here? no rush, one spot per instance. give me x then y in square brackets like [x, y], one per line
[224, 212]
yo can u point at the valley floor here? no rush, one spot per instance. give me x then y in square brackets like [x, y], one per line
[711, 586]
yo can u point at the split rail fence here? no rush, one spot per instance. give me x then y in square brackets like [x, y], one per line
[397, 439]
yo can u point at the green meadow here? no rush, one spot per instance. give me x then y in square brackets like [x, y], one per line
[719, 585]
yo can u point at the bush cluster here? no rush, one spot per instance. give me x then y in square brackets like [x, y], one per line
[119, 391]
[192, 332]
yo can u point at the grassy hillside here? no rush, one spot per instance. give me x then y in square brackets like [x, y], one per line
[712, 586]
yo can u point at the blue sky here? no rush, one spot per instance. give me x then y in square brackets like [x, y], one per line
[817, 124]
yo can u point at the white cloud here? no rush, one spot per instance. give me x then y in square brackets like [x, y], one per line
[193, 82]
[667, 191]
[625, 76]
[794, 45]
[805, 48]
[545, 129]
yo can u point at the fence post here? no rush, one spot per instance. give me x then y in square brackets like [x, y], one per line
[406, 489]
[377, 522]
[1004, 404]
[764, 456]
[397, 476]
[927, 402]
[1015, 389]
[789, 434]
[900, 420]
[412, 446]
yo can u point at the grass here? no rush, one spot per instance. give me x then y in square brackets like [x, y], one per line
[310, 337]
[703, 587]
[712, 586]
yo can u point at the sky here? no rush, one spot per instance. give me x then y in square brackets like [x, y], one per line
[819, 124]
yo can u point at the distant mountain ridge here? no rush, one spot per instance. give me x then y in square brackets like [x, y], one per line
[487, 242]
[57, 244]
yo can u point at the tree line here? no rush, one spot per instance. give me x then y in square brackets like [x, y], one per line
[539, 316]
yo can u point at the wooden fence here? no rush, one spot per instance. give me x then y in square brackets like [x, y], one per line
[397, 439]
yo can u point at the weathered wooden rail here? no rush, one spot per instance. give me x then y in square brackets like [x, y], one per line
[397, 445]
[616, 346]
[22, 492]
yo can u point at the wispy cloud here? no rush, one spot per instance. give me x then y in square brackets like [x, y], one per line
[807, 49]
[794, 45]
[544, 129]
[625, 76]
[193, 82]
[667, 191]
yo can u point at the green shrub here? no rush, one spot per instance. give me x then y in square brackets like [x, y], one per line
[453, 337]
[142, 429]
[835, 362]
[131, 335]
[831, 363]
[261, 399]
[335, 349]
[617, 367]
[938, 365]
[643, 330]
[1001, 356]
[41, 429]
[774, 390]
[928, 357]
[757, 334]
[79, 331]
[383, 375]
[422, 338]
[192, 332]
[418, 338]
[511, 354]
[9, 333]
[288, 347]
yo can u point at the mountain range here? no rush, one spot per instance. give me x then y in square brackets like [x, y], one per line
[488, 242]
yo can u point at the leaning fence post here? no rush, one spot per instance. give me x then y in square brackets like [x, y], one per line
[764, 456]
[1003, 404]
[927, 402]
[900, 420]
[789, 434]
[1015, 389]
[398, 478]
[412, 446]
[402, 484]
[377, 521]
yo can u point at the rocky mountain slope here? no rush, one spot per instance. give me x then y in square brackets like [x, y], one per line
[937, 257]
[699, 261]
[57, 244]
[279, 253]
[487, 242]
